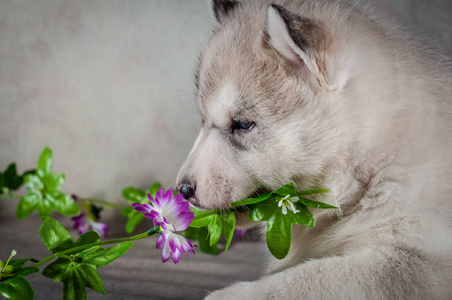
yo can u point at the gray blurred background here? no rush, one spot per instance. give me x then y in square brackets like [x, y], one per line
[108, 84]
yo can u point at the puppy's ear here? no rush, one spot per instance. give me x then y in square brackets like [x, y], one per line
[221, 8]
[299, 40]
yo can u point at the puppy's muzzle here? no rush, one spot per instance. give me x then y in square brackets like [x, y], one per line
[188, 192]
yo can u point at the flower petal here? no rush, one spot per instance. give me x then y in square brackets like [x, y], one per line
[100, 228]
[142, 207]
[284, 210]
[176, 256]
[176, 244]
[160, 242]
[148, 215]
[183, 220]
[175, 207]
[155, 202]
[172, 241]
[160, 193]
[154, 214]
[292, 207]
[166, 253]
[164, 198]
[168, 195]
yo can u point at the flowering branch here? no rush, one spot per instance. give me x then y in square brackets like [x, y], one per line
[150, 232]
[75, 263]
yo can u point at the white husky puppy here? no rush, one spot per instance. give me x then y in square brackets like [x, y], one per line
[324, 94]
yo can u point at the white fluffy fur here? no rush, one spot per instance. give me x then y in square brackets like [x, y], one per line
[380, 140]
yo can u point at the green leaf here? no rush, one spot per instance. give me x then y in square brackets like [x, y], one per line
[90, 237]
[16, 288]
[11, 180]
[56, 270]
[18, 268]
[66, 205]
[3, 188]
[73, 287]
[263, 207]
[127, 211]
[263, 211]
[134, 195]
[248, 201]
[18, 263]
[75, 277]
[228, 222]
[315, 204]
[45, 161]
[215, 229]
[204, 243]
[53, 182]
[202, 213]
[153, 189]
[54, 235]
[303, 217]
[81, 272]
[133, 221]
[218, 222]
[279, 226]
[202, 222]
[279, 231]
[34, 183]
[44, 191]
[44, 206]
[27, 205]
[90, 277]
[288, 189]
[201, 235]
[103, 257]
[27, 271]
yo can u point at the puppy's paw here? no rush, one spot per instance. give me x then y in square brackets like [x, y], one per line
[241, 290]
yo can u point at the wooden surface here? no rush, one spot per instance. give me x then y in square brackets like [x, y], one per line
[140, 273]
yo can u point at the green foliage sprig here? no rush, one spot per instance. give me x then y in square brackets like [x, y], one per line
[75, 263]
[266, 207]
[44, 191]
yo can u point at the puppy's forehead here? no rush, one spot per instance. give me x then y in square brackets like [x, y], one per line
[217, 109]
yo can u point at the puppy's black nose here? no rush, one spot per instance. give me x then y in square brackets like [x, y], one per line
[187, 191]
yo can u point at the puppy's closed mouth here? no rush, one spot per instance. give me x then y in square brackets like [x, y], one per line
[195, 204]
[256, 193]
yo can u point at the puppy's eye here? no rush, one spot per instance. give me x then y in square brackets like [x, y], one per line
[242, 125]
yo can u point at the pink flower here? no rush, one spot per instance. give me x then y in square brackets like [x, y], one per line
[87, 220]
[172, 214]
[173, 245]
[84, 224]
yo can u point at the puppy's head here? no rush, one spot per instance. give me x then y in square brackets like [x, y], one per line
[262, 87]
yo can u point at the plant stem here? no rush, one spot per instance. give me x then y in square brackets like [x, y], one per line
[10, 196]
[152, 231]
[106, 203]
